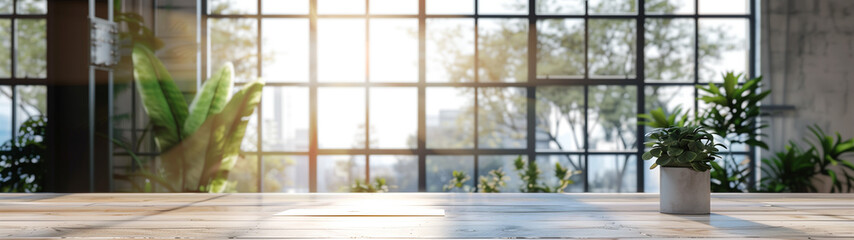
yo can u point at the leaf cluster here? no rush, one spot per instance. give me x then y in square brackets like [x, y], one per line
[657, 118]
[492, 184]
[379, 186]
[529, 172]
[734, 109]
[731, 177]
[829, 154]
[21, 158]
[794, 170]
[789, 171]
[458, 181]
[690, 147]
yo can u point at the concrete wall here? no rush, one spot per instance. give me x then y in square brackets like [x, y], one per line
[807, 59]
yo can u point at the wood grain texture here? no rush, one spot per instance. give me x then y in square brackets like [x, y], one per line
[506, 215]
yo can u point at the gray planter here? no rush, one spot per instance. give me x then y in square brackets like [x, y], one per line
[684, 191]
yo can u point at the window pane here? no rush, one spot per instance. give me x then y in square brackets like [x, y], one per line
[250, 137]
[560, 118]
[450, 117]
[560, 48]
[723, 47]
[669, 50]
[612, 48]
[613, 173]
[341, 6]
[30, 48]
[669, 6]
[613, 116]
[502, 117]
[669, 98]
[233, 6]
[394, 50]
[612, 6]
[234, 40]
[506, 164]
[394, 6]
[5, 113]
[450, 7]
[32, 102]
[394, 117]
[336, 173]
[5, 48]
[569, 7]
[651, 178]
[5, 6]
[724, 7]
[243, 178]
[284, 7]
[400, 172]
[440, 171]
[285, 46]
[337, 60]
[32, 6]
[573, 163]
[503, 50]
[286, 174]
[450, 50]
[503, 7]
[285, 115]
[341, 117]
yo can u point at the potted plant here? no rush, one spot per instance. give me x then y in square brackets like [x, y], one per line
[684, 154]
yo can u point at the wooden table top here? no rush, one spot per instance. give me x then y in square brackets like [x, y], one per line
[505, 215]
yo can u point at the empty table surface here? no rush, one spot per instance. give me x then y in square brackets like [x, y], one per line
[505, 215]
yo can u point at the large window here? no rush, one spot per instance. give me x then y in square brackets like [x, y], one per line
[23, 63]
[411, 90]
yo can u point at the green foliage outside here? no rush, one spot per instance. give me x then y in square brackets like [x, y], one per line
[378, 186]
[493, 183]
[529, 172]
[21, 159]
[458, 182]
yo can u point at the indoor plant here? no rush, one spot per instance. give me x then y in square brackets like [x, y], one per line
[684, 154]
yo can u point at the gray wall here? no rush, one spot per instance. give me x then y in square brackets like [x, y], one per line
[807, 59]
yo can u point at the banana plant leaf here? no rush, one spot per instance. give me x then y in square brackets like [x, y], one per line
[161, 98]
[211, 100]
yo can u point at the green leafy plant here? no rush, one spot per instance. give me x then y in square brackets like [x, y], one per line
[734, 109]
[199, 143]
[378, 186]
[493, 183]
[730, 179]
[529, 172]
[21, 168]
[458, 181]
[690, 147]
[829, 155]
[657, 118]
[789, 171]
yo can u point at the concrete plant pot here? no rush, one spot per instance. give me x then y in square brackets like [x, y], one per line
[684, 191]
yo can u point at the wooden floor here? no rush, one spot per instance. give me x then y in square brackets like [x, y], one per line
[621, 216]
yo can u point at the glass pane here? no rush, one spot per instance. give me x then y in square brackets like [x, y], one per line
[5, 48]
[450, 117]
[568, 7]
[285, 118]
[32, 102]
[32, 6]
[723, 47]
[285, 47]
[243, 178]
[613, 6]
[394, 117]
[5, 7]
[341, 117]
[341, 6]
[669, 98]
[612, 48]
[560, 118]
[503, 50]
[450, 50]
[506, 164]
[284, 7]
[613, 116]
[394, 6]
[5, 114]
[560, 48]
[337, 60]
[30, 48]
[573, 163]
[651, 178]
[724, 7]
[400, 172]
[234, 40]
[669, 49]
[502, 7]
[502, 117]
[336, 173]
[233, 6]
[286, 174]
[613, 173]
[450, 7]
[394, 50]
[669, 6]
[440, 171]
